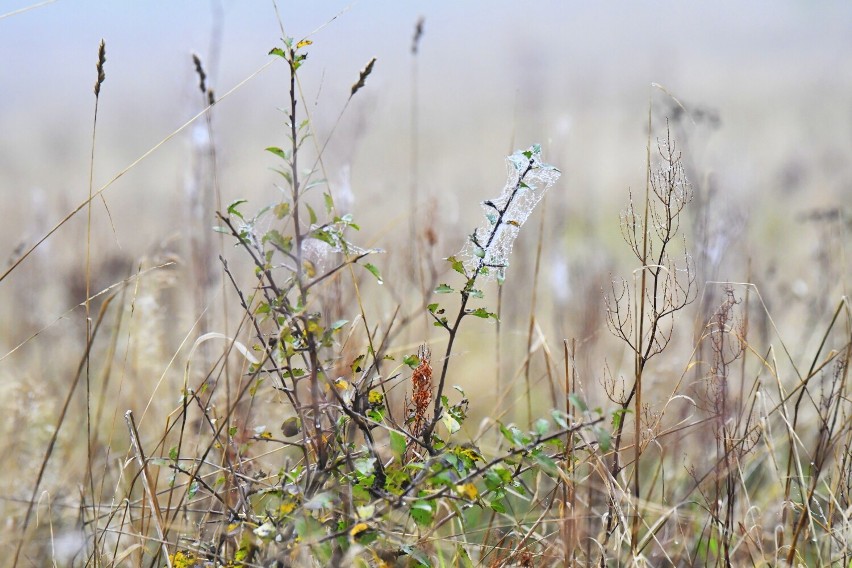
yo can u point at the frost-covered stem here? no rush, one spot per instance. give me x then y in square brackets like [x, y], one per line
[465, 296]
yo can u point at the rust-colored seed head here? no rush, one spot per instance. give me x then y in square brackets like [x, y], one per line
[421, 390]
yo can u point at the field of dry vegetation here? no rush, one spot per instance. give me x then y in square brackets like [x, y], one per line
[344, 296]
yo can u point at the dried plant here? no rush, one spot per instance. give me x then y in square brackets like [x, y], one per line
[421, 393]
[641, 313]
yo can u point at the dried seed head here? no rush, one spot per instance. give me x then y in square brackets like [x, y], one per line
[418, 33]
[365, 72]
[199, 70]
[100, 66]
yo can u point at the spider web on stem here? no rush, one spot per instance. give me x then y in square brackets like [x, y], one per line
[491, 243]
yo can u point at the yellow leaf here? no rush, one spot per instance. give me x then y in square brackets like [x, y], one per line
[358, 529]
[233, 528]
[470, 454]
[182, 560]
[303, 43]
[286, 508]
[468, 490]
[309, 267]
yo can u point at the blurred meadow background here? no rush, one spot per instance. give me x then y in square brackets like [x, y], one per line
[758, 97]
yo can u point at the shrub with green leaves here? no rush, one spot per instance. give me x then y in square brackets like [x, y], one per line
[358, 480]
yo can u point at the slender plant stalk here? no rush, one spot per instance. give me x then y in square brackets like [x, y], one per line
[462, 312]
[531, 327]
[638, 356]
[89, 442]
[150, 489]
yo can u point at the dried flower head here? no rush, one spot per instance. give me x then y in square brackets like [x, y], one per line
[100, 66]
[421, 391]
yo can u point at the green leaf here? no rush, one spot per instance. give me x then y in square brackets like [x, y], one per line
[224, 230]
[320, 501]
[604, 438]
[376, 414]
[397, 443]
[541, 426]
[232, 208]
[375, 272]
[173, 453]
[451, 423]
[278, 51]
[497, 476]
[444, 289]
[514, 435]
[457, 265]
[312, 214]
[412, 361]
[280, 241]
[618, 417]
[547, 464]
[326, 236]
[329, 202]
[418, 555]
[285, 175]
[365, 466]
[498, 506]
[578, 402]
[278, 152]
[314, 183]
[421, 512]
[339, 324]
[559, 417]
[432, 308]
[507, 433]
[482, 313]
[282, 210]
